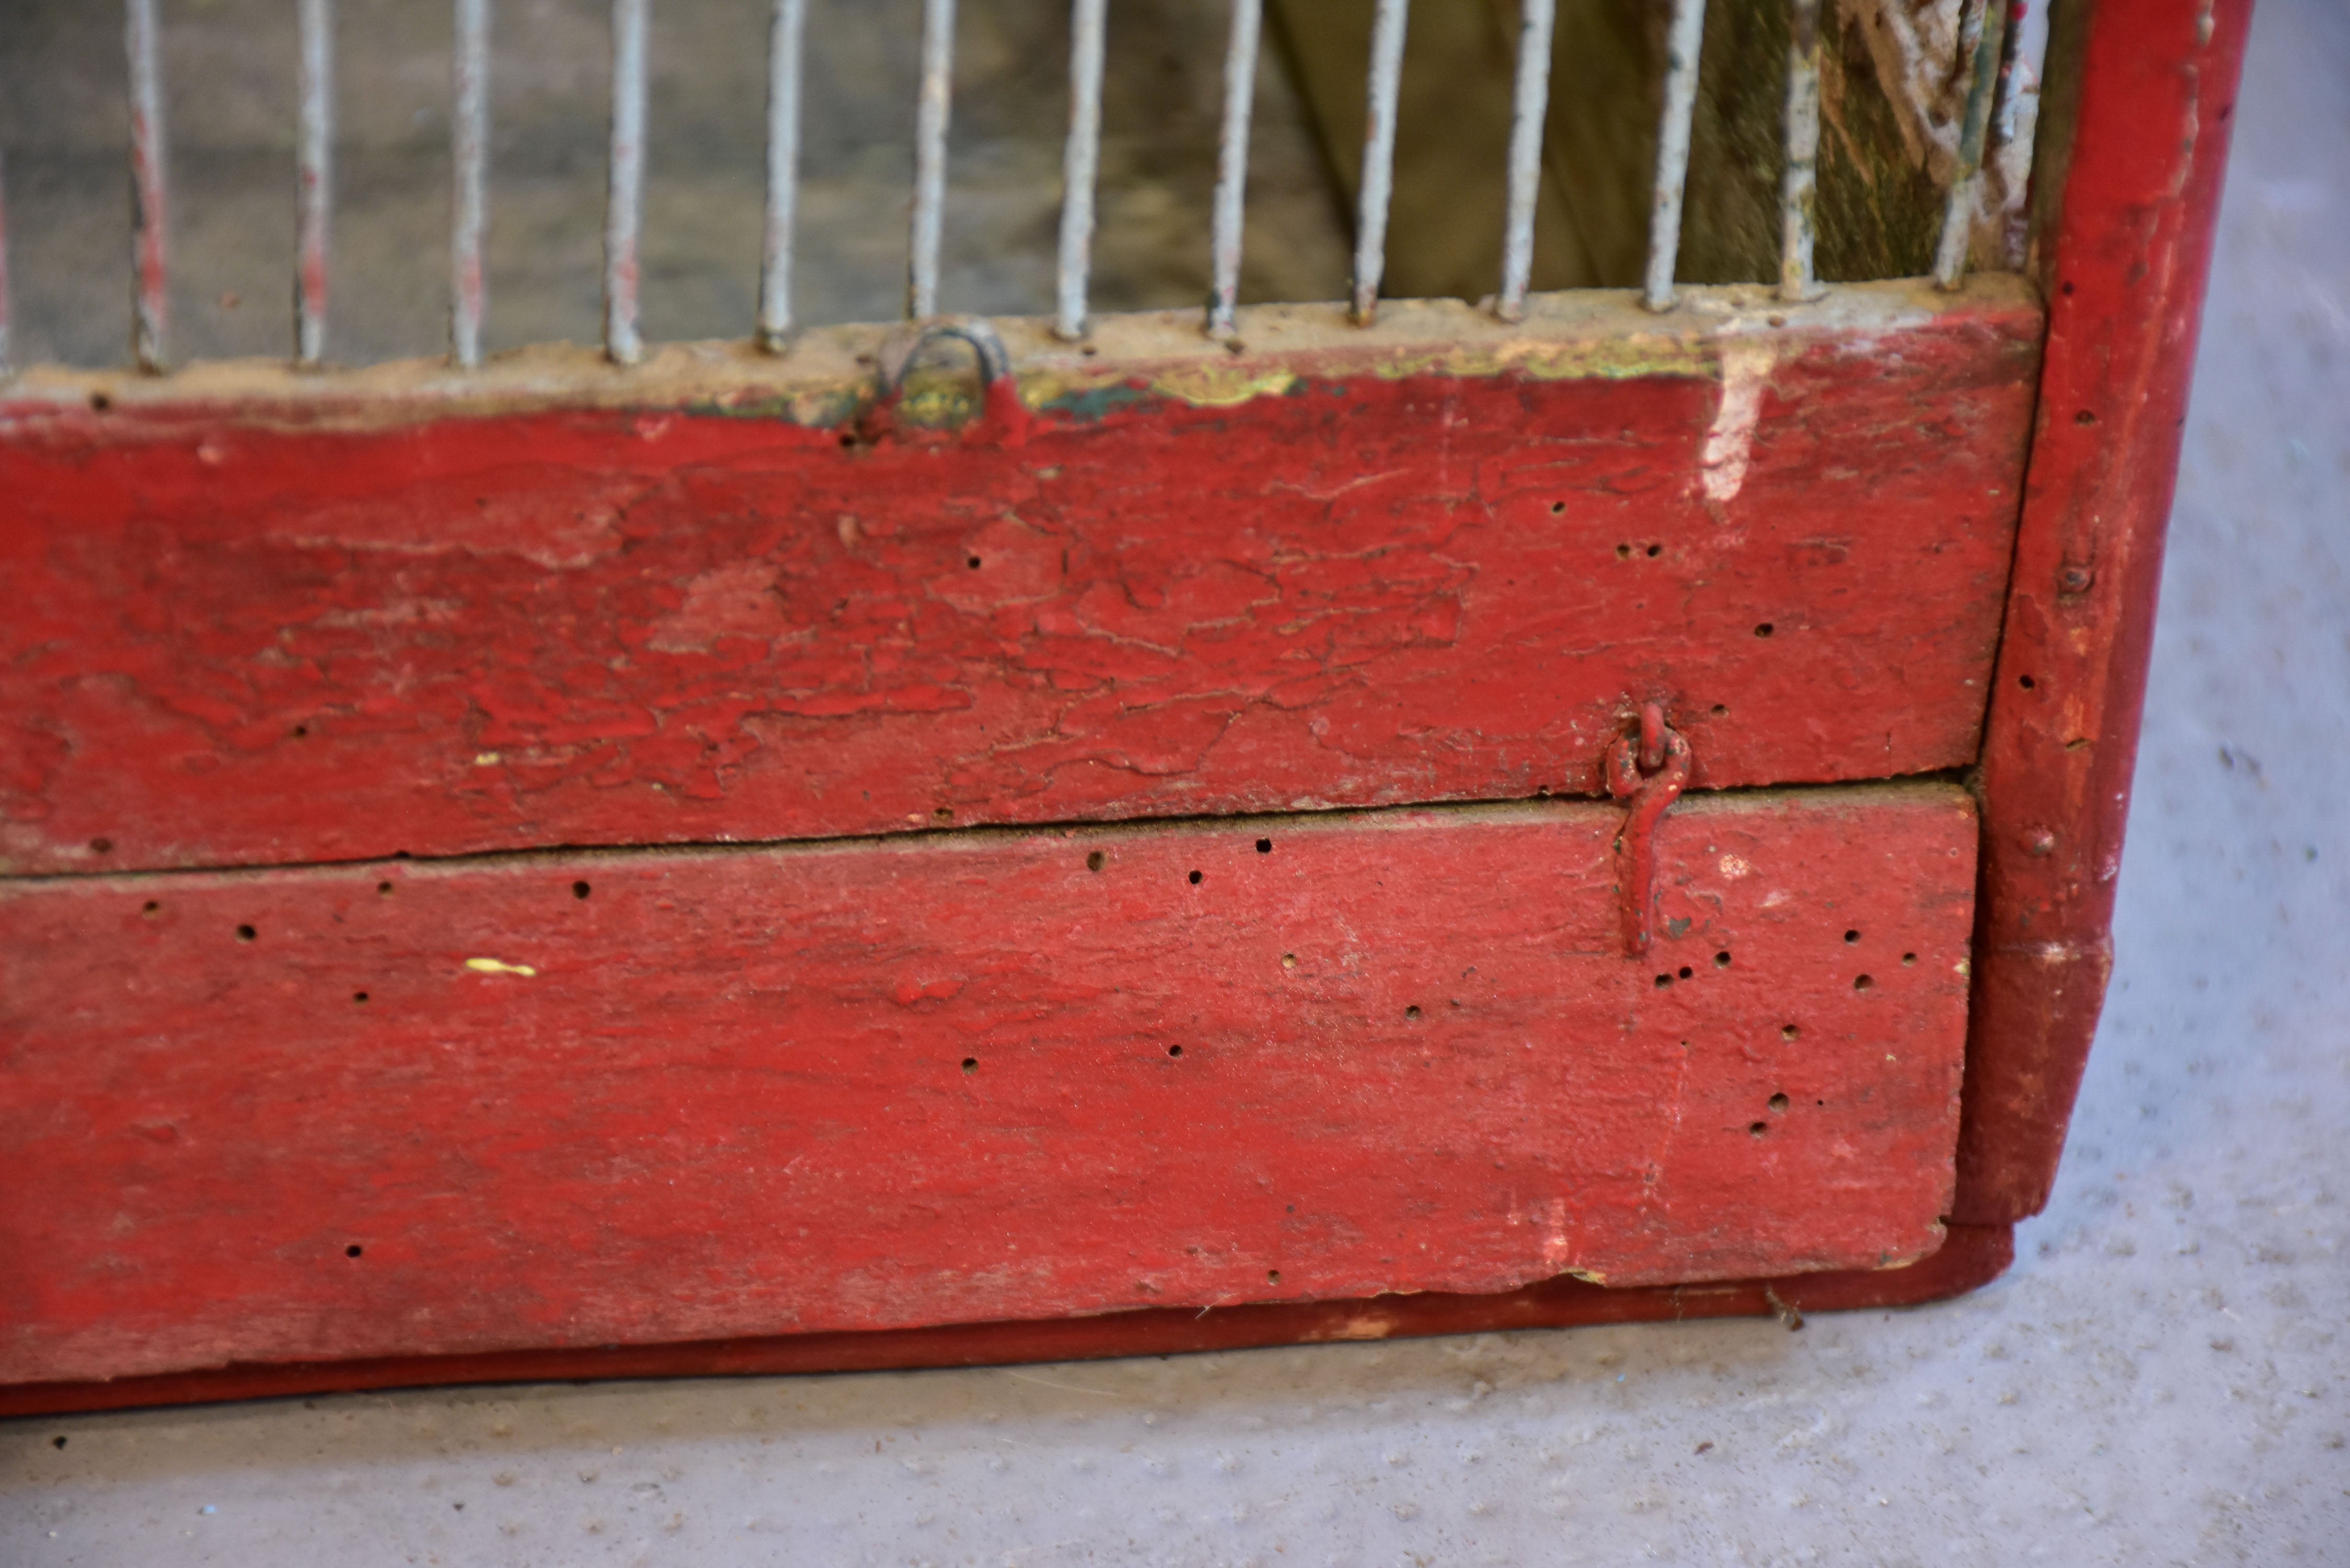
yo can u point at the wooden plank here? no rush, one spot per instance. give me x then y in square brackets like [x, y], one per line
[661, 1095]
[266, 619]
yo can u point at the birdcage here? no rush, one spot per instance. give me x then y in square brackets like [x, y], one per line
[1581, 782]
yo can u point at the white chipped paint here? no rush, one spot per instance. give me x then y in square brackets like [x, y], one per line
[1734, 867]
[1730, 443]
[499, 965]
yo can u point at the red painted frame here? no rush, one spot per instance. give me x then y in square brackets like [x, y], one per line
[2123, 270]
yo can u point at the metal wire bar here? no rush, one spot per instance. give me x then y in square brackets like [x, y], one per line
[624, 205]
[784, 34]
[1683, 40]
[1979, 31]
[150, 310]
[1379, 156]
[931, 107]
[314, 193]
[1799, 187]
[469, 139]
[1529, 105]
[1232, 167]
[4, 267]
[1080, 165]
[2013, 242]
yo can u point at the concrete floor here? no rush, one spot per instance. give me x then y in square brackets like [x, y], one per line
[2162, 1378]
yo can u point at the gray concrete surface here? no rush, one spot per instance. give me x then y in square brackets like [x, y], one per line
[2162, 1378]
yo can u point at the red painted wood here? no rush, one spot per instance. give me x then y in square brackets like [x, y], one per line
[326, 1113]
[2130, 255]
[237, 639]
[1973, 1256]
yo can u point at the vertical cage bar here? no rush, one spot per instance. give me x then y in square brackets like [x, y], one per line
[1080, 166]
[468, 139]
[2014, 242]
[930, 156]
[150, 311]
[314, 153]
[1379, 156]
[3, 267]
[784, 34]
[1529, 105]
[1683, 40]
[1232, 167]
[624, 205]
[1978, 32]
[1799, 187]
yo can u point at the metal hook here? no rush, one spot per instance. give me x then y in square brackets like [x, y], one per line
[1647, 787]
[1000, 409]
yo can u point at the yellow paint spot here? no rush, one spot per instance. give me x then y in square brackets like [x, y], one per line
[499, 965]
[487, 758]
[1734, 867]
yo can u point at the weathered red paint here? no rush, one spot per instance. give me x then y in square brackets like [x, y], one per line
[232, 641]
[661, 1096]
[1972, 1255]
[2127, 267]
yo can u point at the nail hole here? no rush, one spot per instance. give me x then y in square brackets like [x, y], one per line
[1863, 982]
[848, 440]
[100, 402]
[1272, 1277]
[245, 933]
[1289, 960]
[1722, 710]
[970, 1063]
[2066, 290]
[2026, 682]
[1788, 1031]
[353, 1251]
[1655, 551]
[151, 908]
[972, 563]
[1093, 861]
[1778, 1102]
[1411, 1012]
[1852, 936]
[1758, 1128]
[1175, 1051]
[1909, 960]
[581, 890]
[1623, 551]
[2083, 417]
[1663, 981]
[57, 1442]
[383, 889]
[1764, 629]
[101, 845]
[301, 731]
[359, 997]
[1264, 846]
[1687, 972]
[1195, 878]
[1722, 960]
[1557, 507]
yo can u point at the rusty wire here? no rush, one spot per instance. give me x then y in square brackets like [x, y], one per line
[1080, 166]
[469, 148]
[151, 306]
[1378, 185]
[624, 205]
[1232, 167]
[931, 109]
[1529, 105]
[1979, 34]
[1683, 40]
[314, 192]
[786, 33]
[1799, 187]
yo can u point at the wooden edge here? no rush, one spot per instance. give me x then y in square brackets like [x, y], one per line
[2157, 81]
[1970, 1257]
[828, 373]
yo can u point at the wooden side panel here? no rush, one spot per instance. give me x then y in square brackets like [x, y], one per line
[238, 640]
[663, 1096]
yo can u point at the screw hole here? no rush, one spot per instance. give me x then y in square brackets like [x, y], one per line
[1194, 879]
[1765, 629]
[1863, 982]
[1264, 846]
[1778, 1102]
[1722, 960]
[353, 1251]
[246, 933]
[581, 890]
[970, 1063]
[1093, 861]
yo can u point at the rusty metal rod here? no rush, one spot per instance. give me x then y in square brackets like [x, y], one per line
[1979, 31]
[1388, 26]
[4, 267]
[624, 205]
[1529, 105]
[1683, 40]
[1232, 167]
[786, 33]
[314, 167]
[150, 309]
[1799, 187]
[1080, 166]
[468, 139]
[932, 108]
[2014, 240]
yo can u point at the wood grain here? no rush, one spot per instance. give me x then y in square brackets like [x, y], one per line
[659, 1096]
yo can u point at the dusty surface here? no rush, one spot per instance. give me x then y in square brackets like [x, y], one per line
[2161, 1379]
